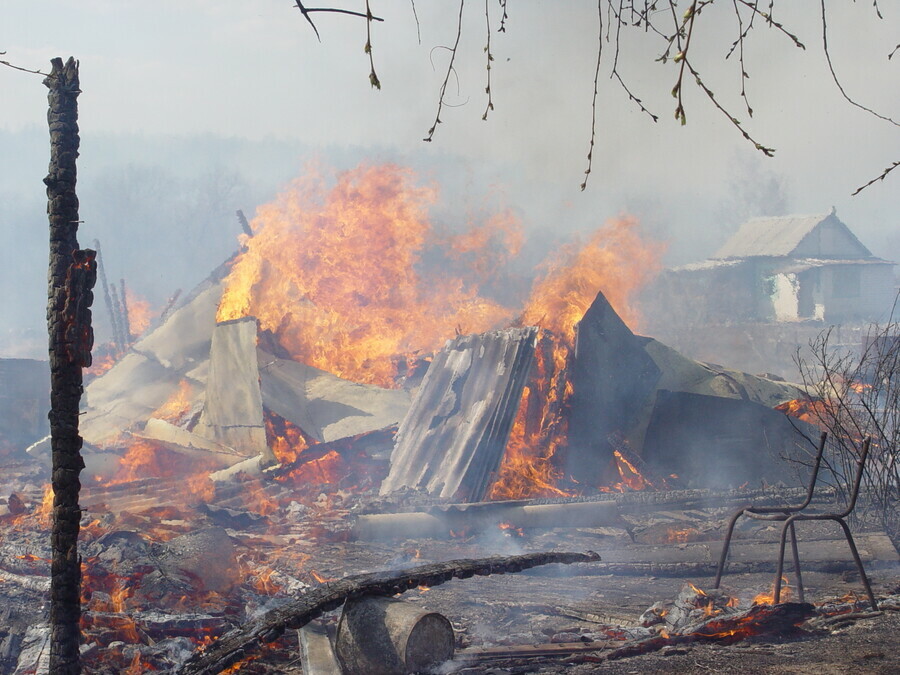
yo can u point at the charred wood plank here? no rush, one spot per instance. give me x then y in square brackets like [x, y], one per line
[244, 641]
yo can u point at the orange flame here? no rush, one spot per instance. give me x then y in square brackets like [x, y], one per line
[285, 439]
[618, 262]
[140, 314]
[681, 536]
[45, 512]
[318, 577]
[768, 597]
[813, 411]
[145, 459]
[629, 473]
[177, 405]
[338, 276]
[347, 261]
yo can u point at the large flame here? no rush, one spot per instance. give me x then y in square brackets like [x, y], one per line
[354, 279]
[338, 275]
[617, 261]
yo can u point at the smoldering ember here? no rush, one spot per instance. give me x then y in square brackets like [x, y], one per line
[288, 467]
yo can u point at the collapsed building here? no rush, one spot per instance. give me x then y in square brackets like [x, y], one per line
[233, 491]
[220, 394]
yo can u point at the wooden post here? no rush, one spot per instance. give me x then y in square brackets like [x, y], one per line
[71, 278]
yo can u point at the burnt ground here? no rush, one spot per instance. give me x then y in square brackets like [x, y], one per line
[569, 604]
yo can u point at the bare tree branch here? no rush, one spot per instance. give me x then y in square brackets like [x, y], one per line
[835, 77]
[416, 17]
[437, 117]
[490, 57]
[877, 178]
[373, 77]
[24, 70]
[590, 155]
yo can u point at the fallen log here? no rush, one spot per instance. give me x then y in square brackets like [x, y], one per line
[240, 643]
[384, 636]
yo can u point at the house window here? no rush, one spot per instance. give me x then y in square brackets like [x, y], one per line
[845, 282]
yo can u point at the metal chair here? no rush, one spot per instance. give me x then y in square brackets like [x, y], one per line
[791, 514]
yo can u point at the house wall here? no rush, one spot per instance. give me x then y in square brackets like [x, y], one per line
[830, 239]
[698, 297]
[857, 292]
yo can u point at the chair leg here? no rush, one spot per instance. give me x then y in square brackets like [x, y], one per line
[780, 569]
[797, 564]
[725, 546]
[858, 561]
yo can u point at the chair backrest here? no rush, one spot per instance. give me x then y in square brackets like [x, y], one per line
[857, 481]
[815, 472]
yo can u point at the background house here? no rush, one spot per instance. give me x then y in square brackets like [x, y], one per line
[787, 268]
[770, 288]
[809, 267]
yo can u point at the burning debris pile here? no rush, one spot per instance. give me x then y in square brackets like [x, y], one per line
[327, 326]
[325, 404]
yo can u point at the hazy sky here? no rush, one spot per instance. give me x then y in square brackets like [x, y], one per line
[253, 69]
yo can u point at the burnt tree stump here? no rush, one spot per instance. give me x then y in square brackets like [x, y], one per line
[72, 275]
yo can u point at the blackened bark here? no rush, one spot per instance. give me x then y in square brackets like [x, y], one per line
[71, 278]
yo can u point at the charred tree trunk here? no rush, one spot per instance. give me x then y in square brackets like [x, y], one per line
[71, 278]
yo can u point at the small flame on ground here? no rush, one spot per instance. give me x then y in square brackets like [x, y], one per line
[45, 511]
[318, 577]
[681, 536]
[768, 597]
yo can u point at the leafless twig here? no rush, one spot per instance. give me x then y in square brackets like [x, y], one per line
[437, 117]
[590, 155]
[835, 77]
[416, 17]
[503, 18]
[882, 176]
[490, 57]
[306, 11]
[373, 76]
[24, 70]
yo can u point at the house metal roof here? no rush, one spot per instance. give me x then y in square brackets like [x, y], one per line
[773, 236]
